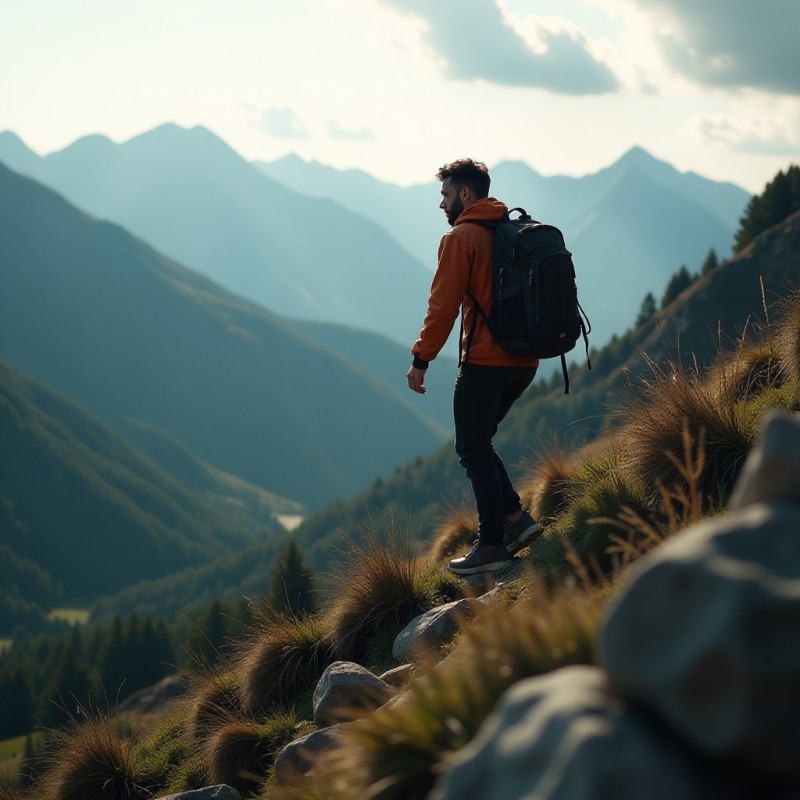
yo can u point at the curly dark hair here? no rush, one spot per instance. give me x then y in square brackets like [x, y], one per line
[466, 172]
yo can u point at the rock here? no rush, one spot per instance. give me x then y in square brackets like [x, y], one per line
[566, 736]
[346, 687]
[399, 676]
[772, 470]
[298, 757]
[706, 632]
[427, 633]
[219, 792]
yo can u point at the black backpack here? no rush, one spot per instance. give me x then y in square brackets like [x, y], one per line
[535, 311]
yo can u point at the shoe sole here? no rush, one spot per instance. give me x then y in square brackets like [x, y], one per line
[498, 567]
[526, 536]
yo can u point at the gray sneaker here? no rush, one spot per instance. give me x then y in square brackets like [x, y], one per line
[481, 559]
[517, 534]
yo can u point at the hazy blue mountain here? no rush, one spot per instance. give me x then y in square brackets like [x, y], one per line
[101, 316]
[89, 509]
[410, 214]
[630, 226]
[193, 198]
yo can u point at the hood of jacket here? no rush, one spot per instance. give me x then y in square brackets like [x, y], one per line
[489, 208]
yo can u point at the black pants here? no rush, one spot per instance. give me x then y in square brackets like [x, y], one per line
[482, 397]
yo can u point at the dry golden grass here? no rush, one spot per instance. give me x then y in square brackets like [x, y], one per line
[376, 591]
[653, 428]
[549, 484]
[456, 532]
[787, 335]
[89, 760]
[282, 656]
[749, 370]
[395, 753]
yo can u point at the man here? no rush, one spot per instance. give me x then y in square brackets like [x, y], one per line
[490, 380]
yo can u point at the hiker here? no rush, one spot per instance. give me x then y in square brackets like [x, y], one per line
[490, 379]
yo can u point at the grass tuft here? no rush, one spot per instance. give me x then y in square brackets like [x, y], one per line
[213, 696]
[282, 657]
[583, 533]
[550, 484]
[241, 752]
[653, 427]
[454, 533]
[89, 760]
[750, 370]
[788, 335]
[377, 591]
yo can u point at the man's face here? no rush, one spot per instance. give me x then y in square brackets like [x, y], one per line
[451, 204]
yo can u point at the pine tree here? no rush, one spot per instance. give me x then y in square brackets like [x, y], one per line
[292, 585]
[711, 262]
[69, 687]
[16, 702]
[780, 198]
[677, 283]
[646, 310]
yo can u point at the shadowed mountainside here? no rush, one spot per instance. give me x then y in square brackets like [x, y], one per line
[102, 317]
[88, 508]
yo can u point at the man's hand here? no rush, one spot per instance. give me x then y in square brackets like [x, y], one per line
[416, 378]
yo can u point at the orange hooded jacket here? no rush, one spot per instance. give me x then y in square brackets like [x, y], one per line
[465, 265]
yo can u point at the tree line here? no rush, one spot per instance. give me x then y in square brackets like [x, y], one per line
[44, 678]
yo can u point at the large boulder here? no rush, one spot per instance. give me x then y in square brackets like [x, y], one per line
[706, 631]
[344, 689]
[567, 736]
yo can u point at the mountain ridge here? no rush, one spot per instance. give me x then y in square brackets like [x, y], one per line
[101, 316]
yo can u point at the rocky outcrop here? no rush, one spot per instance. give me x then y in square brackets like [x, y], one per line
[698, 694]
[567, 736]
[706, 633]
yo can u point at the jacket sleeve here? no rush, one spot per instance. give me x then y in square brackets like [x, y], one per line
[448, 289]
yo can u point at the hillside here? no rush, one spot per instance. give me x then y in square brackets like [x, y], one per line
[129, 334]
[630, 226]
[91, 511]
[194, 199]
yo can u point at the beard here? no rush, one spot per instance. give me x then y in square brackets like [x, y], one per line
[454, 211]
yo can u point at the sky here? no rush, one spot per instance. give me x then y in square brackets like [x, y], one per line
[399, 87]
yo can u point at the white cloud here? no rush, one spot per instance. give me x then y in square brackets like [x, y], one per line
[756, 135]
[474, 41]
[730, 43]
[282, 123]
[336, 130]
